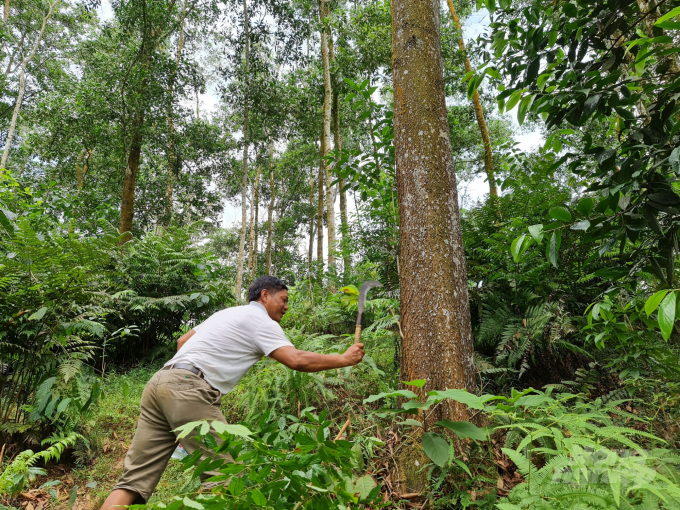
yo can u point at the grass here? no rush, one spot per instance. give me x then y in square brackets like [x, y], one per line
[110, 433]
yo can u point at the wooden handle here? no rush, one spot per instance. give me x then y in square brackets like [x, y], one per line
[357, 334]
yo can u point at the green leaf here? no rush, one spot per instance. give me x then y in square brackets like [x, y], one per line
[72, 496]
[536, 232]
[192, 504]
[585, 206]
[653, 302]
[524, 106]
[560, 213]
[667, 315]
[419, 383]
[364, 486]
[237, 430]
[462, 396]
[516, 246]
[581, 225]
[398, 393]
[669, 15]
[38, 315]
[553, 247]
[236, 486]
[411, 422]
[589, 106]
[436, 447]
[258, 498]
[464, 429]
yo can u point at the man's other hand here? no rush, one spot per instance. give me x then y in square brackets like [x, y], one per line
[354, 354]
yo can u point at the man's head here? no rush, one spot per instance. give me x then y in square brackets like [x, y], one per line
[271, 293]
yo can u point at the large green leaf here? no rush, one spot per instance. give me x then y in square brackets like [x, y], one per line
[560, 213]
[464, 429]
[364, 486]
[516, 246]
[398, 393]
[436, 447]
[237, 430]
[653, 302]
[536, 232]
[258, 498]
[667, 315]
[553, 247]
[462, 396]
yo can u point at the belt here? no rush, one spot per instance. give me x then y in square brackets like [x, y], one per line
[184, 366]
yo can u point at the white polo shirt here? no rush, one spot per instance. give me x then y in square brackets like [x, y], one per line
[229, 342]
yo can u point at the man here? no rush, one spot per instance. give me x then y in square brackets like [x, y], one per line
[211, 359]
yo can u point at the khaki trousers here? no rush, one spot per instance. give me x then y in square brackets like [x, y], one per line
[171, 399]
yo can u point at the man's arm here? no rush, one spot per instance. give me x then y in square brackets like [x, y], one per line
[305, 361]
[183, 339]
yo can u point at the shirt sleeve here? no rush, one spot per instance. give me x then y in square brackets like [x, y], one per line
[270, 337]
[198, 326]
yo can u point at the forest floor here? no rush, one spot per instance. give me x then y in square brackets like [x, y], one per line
[96, 470]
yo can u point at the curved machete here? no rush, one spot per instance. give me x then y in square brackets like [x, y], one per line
[362, 301]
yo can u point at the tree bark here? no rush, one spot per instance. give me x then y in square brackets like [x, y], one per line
[344, 229]
[319, 206]
[127, 207]
[6, 13]
[326, 145]
[479, 111]
[22, 82]
[271, 207]
[244, 178]
[437, 343]
[172, 157]
[252, 250]
[311, 222]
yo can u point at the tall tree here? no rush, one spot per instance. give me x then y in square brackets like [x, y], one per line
[22, 76]
[324, 174]
[252, 250]
[244, 177]
[437, 343]
[479, 110]
[172, 156]
[270, 209]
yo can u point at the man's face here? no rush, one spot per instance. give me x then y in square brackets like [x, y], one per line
[276, 304]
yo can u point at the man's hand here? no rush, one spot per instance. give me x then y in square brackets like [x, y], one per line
[354, 354]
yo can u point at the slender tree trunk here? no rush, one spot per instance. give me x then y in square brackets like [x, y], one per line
[127, 207]
[479, 111]
[311, 222]
[337, 141]
[244, 178]
[22, 82]
[326, 145]
[6, 14]
[319, 207]
[435, 312]
[172, 157]
[252, 251]
[271, 207]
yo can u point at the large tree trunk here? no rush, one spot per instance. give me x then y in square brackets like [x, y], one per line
[127, 206]
[271, 207]
[22, 82]
[244, 178]
[344, 229]
[479, 111]
[326, 145]
[172, 157]
[435, 311]
[252, 251]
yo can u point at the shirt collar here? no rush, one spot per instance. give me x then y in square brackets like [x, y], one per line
[259, 306]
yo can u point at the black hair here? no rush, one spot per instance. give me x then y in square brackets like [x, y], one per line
[271, 283]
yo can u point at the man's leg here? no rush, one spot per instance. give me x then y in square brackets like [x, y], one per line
[185, 397]
[148, 455]
[118, 498]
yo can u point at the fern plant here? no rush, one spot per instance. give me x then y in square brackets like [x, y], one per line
[23, 470]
